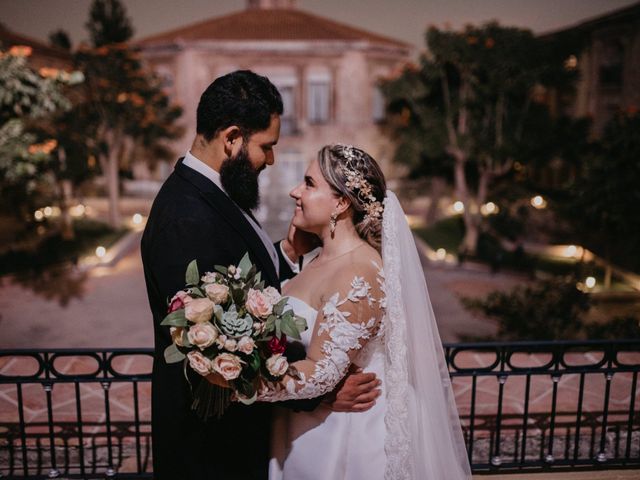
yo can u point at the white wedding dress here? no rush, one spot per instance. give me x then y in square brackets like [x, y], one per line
[331, 445]
[384, 323]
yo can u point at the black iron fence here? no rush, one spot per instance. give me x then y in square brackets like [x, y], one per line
[524, 406]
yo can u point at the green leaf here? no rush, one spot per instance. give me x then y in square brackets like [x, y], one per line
[301, 323]
[222, 270]
[245, 264]
[197, 292]
[259, 282]
[279, 307]
[288, 326]
[185, 339]
[193, 276]
[278, 325]
[270, 324]
[175, 319]
[173, 355]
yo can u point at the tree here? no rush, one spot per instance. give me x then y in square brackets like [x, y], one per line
[27, 99]
[477, 108]
[125, 110]
[603, 204]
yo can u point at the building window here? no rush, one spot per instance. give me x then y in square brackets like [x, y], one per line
[288, 119]
[610, 74]
[379, 105]
[318, 102]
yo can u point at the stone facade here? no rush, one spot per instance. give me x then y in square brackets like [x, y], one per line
[609, 66]
[327, 74]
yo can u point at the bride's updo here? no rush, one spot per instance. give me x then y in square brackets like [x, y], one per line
[354, 174]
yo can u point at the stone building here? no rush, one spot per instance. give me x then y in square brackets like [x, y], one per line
[327, 73]
[609, 65]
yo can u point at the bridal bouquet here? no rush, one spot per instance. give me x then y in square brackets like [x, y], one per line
[228, 322]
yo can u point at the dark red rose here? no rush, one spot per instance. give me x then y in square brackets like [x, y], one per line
[176, 304]
[277, 345]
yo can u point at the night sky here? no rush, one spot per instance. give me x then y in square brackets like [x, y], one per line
[402, 19]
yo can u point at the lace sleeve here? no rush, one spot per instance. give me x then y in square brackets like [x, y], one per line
[347, 321]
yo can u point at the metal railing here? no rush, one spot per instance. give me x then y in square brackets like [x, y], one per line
[531, 406]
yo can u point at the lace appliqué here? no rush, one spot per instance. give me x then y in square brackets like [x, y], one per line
[344, 337]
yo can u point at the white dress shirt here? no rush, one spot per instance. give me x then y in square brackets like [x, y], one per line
[199, 166]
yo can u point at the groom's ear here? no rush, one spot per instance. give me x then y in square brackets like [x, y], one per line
[231, 140]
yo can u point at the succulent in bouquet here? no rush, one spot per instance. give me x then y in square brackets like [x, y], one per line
[229, 323]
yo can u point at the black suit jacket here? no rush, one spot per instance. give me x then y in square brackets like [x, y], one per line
[191, 218]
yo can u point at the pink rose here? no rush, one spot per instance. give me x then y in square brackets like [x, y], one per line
[258, 304]
[200, 363]
[199, 310]
[277, 365]
[217, 293]
[246, 345]
[227, 365]
[202, 335]
[277, 345]
[221, 340]
[231, 345]
[272, 295]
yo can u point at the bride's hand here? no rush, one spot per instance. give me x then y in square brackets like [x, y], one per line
[217, 379]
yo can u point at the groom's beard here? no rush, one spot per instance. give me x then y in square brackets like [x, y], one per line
[240, 180]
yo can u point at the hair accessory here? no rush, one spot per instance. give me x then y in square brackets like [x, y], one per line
[357, 182]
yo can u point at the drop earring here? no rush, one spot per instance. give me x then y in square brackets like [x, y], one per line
[332, 222]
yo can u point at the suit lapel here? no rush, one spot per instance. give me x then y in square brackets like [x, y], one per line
[219, 201]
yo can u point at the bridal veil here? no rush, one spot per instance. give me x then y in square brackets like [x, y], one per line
[423, 432]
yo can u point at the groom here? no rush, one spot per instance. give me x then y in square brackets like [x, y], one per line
[204, 212]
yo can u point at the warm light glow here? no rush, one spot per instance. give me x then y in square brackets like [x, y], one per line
[458, 207]
[570, 251]
[38, 215]
[48, 211]
[136, 219]
[538, 202]
[489, 208]
[77, 211]
[441, 254]
[101, 251]
[571, 63]
[590, 282]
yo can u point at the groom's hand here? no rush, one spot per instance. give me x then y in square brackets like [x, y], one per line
[299, 243]
[357, 392]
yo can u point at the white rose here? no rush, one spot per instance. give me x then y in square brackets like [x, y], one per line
[231, 345]
[200, 363]
[259, 327]
[277, 365]
[217, 293]
[176, 335]
[221, 340]
[227, 365]
[246, 345]
[258, 304]
[209, 277]
[199, 310]
[202, 335]
[272, 295]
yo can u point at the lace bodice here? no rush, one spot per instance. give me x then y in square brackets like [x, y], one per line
[350, 318]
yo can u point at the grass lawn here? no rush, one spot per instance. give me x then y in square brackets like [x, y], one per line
[446, 233]
[449, 232]
[48, 248]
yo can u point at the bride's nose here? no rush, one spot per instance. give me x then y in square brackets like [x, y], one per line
[295, 193]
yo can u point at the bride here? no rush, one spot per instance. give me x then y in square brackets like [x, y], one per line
[378, 320]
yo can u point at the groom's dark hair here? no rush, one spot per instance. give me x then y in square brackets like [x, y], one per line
[241, 98]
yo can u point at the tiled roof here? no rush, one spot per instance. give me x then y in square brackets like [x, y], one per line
[269, 24]
[9, 38]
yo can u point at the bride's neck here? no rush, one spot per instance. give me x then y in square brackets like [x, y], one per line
[343, 240]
